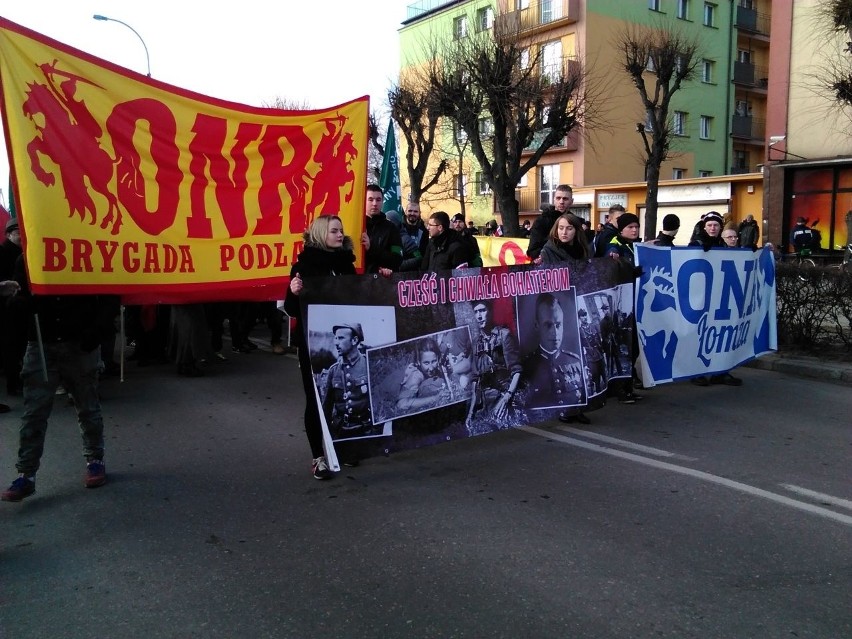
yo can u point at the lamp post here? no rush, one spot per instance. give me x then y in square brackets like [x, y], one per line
[147, 57]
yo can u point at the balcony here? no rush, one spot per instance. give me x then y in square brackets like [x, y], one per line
[749, 75]
[752, 22]
[747, 129]
[540, 15]
[570, 142]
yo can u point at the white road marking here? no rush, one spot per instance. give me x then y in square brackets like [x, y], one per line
[697, 474]
[657, 452]
[828, 499]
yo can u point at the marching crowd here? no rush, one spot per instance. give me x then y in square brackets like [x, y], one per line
[444, 243]
[51, 344]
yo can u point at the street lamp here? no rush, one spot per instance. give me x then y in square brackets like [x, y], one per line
[147, 57]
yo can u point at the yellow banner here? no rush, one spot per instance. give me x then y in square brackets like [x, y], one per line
[502, 251]
[128, 185]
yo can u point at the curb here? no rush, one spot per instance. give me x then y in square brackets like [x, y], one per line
[812, 368]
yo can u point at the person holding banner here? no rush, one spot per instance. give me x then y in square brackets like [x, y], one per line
[710, 236]
[414, 238]
[563, 198]
[381, 241]
[467, 236]
[566, 241]
[327, 252]
[447, 249]
[621, 249]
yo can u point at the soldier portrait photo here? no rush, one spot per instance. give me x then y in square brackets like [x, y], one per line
[339, 362]
[553, 367]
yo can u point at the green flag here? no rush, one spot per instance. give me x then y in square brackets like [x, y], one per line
[389, 180]
[11, 207]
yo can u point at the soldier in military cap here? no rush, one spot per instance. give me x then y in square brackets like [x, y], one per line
[347, 400]
[590, 339]
[498, 364]
[554, 376]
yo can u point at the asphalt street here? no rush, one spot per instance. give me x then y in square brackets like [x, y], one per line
[700, 512]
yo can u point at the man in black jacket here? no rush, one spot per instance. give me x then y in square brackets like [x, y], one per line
[446, 249]
[608, 232]
[414, 237]
[562, 201]
[474, 253]
[381, 241]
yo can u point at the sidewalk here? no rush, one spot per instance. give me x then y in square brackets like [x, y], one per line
[831, 368]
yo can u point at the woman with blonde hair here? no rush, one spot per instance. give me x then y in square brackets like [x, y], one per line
[327, 252]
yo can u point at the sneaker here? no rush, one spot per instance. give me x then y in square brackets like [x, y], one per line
[22, 487]
[277, 349]
[241, 349]
[95, 473]
[250, 345]
[630, 398]
[220, 356]
[727, 379]
[700, 381]
[320, 469]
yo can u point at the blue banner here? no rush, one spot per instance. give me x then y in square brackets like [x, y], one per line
[702, 313]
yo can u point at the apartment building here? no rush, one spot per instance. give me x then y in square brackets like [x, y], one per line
[719, 117]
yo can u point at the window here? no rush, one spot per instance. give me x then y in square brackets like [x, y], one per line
[680, 64]
[548, 180]
[740, 159]
[744, 56]
[707, 71]
[486, 127]
[459, 186]
[649, 122]
[482, 187]
[650, 65]
[522, 184]
[683, 9]
[705, 173]
[742, 108]
[550, 10]
[551, 60]
[484, 18]
[460, 134]
[706, 127]
[679, 123]
[460, 27]
[522, 4]
[746, 4]
[525, 59]
[678, 174]
[654, 5]
[709, 15]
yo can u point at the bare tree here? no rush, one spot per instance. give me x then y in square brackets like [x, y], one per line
[375, 150]
[417, 115]
[497, 81]
[658, 60]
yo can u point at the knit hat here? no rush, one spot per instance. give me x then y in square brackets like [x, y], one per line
[626, 218]
[11, 225]
[671, 222]
[711, 216]
[458, 217]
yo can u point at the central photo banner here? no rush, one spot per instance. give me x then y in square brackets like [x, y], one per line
[405, 362]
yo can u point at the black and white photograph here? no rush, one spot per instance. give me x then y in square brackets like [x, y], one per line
[420, 374]
[614, 308]
[553, 369]
[591, 342]
[338, 338]
[496, 364]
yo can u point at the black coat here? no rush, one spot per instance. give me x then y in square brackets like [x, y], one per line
[315, 261]
[385, 244]
[540, 231]
[445, 252]
[555, 252]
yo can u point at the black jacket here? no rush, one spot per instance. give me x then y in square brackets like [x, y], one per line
[415, 239]
[664, 240]
[706, 242]
[555, 252]
[445, 252]
[67, 318]
[315, 261]
[540, 231]
[603, 238]
[385, 244]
